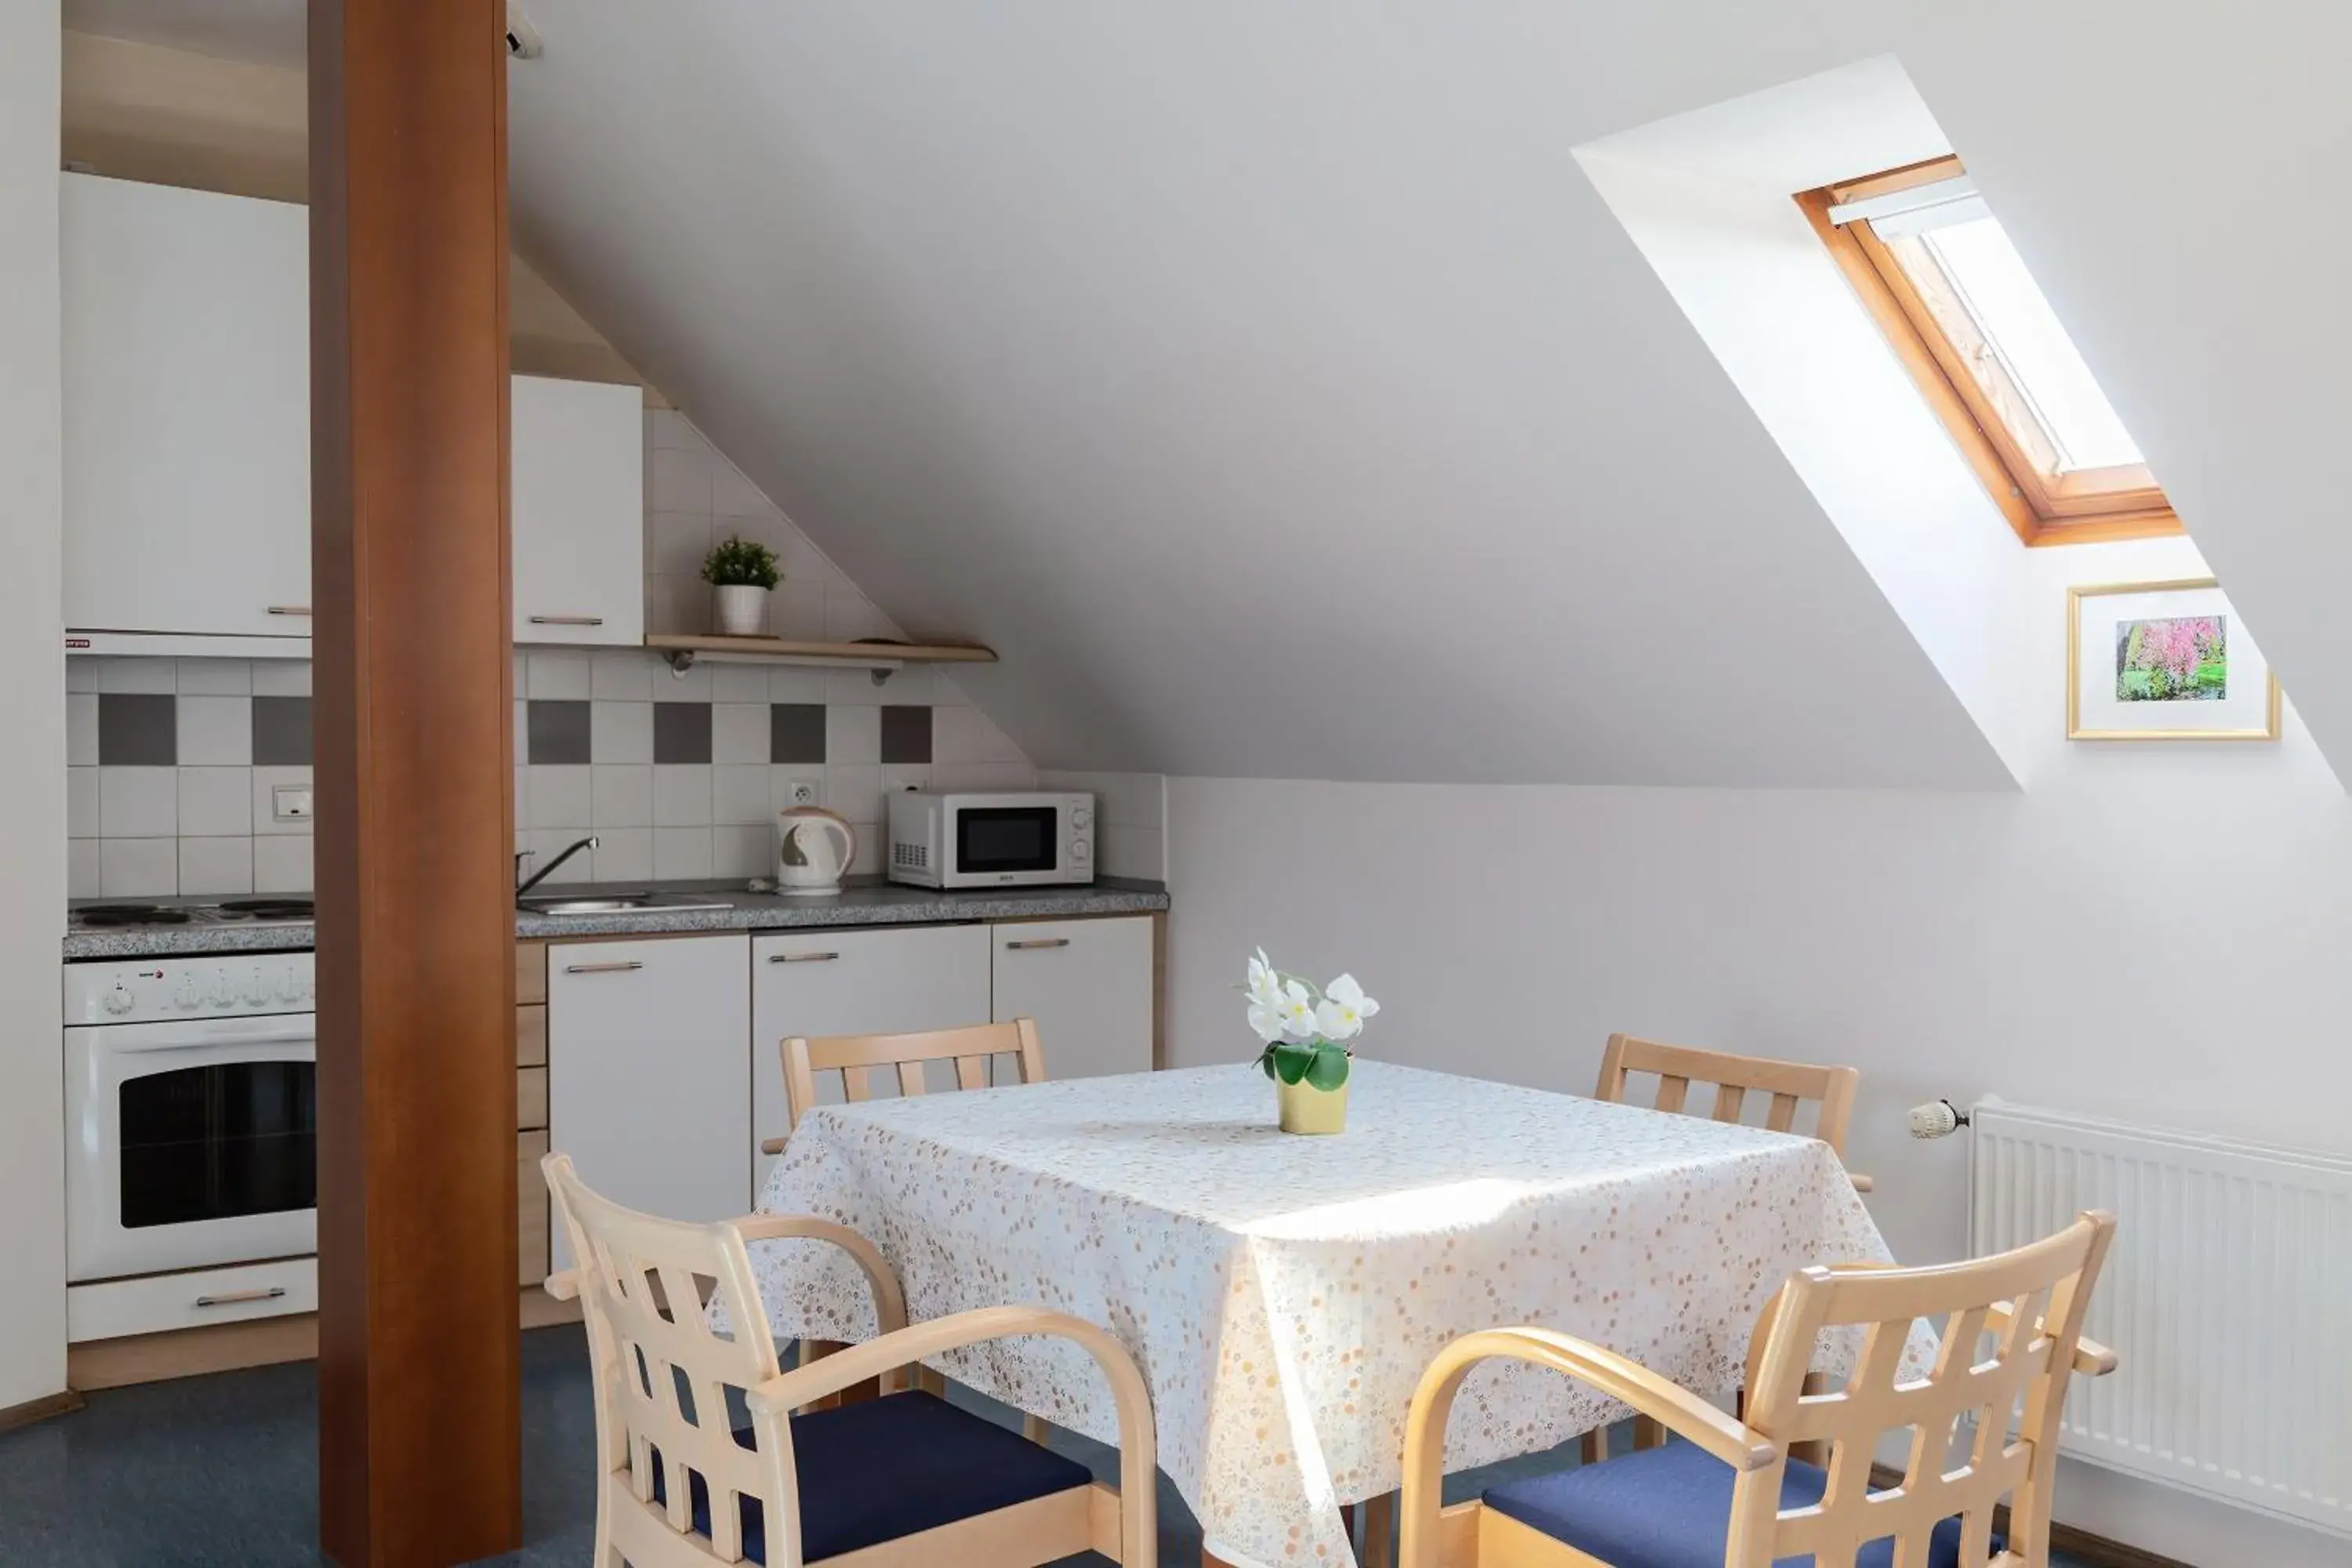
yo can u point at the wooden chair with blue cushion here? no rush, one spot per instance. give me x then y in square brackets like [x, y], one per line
[1734, 1493]
[700, 1459]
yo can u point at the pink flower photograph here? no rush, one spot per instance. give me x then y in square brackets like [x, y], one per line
[2180, 659]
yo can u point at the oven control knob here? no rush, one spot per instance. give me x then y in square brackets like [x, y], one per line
[289, 987]
[118, 1000]
[223, 990]
[1082, 817]
[1081, 851]
[187, 992]
[257, 988]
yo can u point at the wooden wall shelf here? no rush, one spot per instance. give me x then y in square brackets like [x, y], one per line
[881, 658]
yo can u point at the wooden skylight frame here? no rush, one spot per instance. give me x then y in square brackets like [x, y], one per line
[1968, 386]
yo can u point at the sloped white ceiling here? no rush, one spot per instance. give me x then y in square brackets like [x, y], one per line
[1269, 385]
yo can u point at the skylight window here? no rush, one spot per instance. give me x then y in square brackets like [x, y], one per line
[1965, 316]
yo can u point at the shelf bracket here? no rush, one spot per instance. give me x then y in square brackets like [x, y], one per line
[681, 659]
[882, 672]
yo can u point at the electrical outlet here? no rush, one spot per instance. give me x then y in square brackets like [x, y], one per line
[290, 803]
[805, 792]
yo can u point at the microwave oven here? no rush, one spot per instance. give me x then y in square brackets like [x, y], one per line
[996, 838]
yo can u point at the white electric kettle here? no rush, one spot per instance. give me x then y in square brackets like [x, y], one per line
[814, 847]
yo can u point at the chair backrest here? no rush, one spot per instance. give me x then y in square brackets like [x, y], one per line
[1790, 1084]
[2010, 1327]
[663, 1378]
[858, 1057]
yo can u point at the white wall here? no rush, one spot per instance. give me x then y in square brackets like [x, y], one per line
[2153, 932]
[32, 715]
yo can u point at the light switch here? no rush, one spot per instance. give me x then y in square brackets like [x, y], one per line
[290, 803]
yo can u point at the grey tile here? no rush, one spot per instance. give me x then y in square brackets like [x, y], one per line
[281, 732]
[138, 729]
[796, 732]
[906, 735]
[681, 732]
[558, 732]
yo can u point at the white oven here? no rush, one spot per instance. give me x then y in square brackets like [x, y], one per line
[995, 839]
[190, 1114]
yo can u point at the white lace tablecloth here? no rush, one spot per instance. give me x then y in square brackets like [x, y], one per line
[1283, 1294]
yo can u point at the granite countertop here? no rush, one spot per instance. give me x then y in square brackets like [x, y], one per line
[863, 902]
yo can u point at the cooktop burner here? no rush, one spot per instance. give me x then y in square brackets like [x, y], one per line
[267, 909]
[104, 916]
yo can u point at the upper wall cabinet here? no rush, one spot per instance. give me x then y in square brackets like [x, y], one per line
[187, 437]
[578, 461]
[187, 411]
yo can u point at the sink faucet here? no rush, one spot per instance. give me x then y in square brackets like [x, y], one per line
[544, 872]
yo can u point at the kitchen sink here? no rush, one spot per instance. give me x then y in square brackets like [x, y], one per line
[618, 904]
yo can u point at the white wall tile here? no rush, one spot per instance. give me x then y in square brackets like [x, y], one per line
[666, 428]
[82, 803]
[852, 689]
[621, 732]
[739, 793]
[739, 682]
[83, 857]
[521, 796]
[266, 782]
[624, 855]
[738, 731]
[993, 745]
[682, 852]
[82, 730]
[796, 610]
[955, 734]
[909, 688]
[560, 675]
[676, 543]
[853, 735]
[560, 796]
[692, 684]
[281, 864]
[733, 496]
[743, 851]
[521, 730]
[284, 678]
[138, 803]
[795, 683]
[804, 564]
[899, 778]
[138, 868]
[783, 775]
[136, 674]
[984, 775]
[678, 606]
[680, 480]
[681, 794]
[219, 865]
[848, 617]
[1130, 852]
[215, 803]
[871, 840]
[215, 677]
[215, 731]
[621, 795]
[855, 790]
[81, 675]
[621, 676]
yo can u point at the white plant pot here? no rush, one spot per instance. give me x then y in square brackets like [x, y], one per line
[743, 610]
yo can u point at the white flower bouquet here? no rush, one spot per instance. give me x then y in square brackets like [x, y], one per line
[1306, 1030]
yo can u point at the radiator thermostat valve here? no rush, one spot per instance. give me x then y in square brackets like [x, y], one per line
[1936, 1119]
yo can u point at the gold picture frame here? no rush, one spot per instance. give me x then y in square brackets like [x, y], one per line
[2075, 729]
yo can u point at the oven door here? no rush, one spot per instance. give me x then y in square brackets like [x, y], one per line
[190, 1145]
[999, 843]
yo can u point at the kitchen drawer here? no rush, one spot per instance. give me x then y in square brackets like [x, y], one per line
[531, 1098]
[530, 1037]
[530, 972]
[531, 1209]
[195, 1299]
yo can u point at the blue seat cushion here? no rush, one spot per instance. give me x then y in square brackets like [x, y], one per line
[875, 1471]
[1671, 1508]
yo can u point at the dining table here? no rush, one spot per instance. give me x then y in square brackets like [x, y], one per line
[1283, 1294]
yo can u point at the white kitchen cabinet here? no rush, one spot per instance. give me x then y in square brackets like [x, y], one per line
[854, 982]
[186, 341]
[579, 487]
[649, 1072]
[1088, 983]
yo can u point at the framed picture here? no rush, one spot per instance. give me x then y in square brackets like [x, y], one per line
[2164, 661]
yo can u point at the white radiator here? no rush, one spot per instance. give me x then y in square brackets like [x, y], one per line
[2228, 1298]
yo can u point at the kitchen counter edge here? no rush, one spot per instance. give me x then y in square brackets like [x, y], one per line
[883, 906]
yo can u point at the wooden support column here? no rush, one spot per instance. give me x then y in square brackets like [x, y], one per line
[418, 1356]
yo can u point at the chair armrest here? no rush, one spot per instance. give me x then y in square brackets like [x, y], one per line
[1862, 1183]
[772, 1146]
[564, 1285]
[1139, 1457]
[889, 1300]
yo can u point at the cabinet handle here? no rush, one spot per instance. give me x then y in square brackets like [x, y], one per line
[567, 620]
[803, 957]
[603, 968]
[1033, 946]
[238, 1298]
[289, 609]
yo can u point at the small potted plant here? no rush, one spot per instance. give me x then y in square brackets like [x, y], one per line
[744, 573]
[1306, 1031]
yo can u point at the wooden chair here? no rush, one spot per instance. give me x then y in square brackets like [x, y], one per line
[1734, 1078]
[892, 1482]
[1738, 1493]
[858, 1058]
